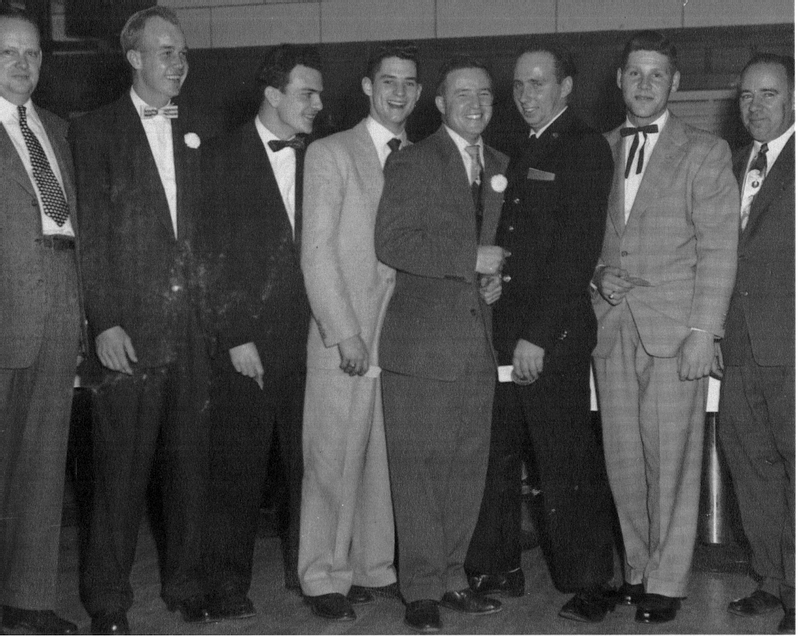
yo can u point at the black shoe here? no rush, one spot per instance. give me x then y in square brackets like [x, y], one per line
[786, 626]
[758, 603]
[386, 591]
[360, 595]
[230, 607]
[470, 602]
[193, 609]
[423, 616]
[589, 606]
[656, 608]
[110, 623]
[39, 621]
[505, 584]
[334, 607]
[630, 593]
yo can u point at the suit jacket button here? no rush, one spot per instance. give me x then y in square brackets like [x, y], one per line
[473, 312]
[510, 228]
[743, 293]
[34, 203]
[516, 201]
[623, 253]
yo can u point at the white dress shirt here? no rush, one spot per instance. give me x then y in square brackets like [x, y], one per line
[634, 180]
[10, 118]
[753, 180]
[381, 136]
[462, 149]
[284, 163]
[159, 135]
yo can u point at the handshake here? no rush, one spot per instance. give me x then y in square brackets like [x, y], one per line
[489, 266]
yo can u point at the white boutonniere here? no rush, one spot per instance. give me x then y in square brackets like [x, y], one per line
[499, 183]
[191, 140]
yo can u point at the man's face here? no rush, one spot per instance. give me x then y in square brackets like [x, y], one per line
[160, 62]
[538, 95]
[646, 83]
[299, 103]
[766, 102]
[20, 60]
[394, 93]
[466, 105]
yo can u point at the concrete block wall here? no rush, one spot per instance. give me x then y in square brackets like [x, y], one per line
[212, 24]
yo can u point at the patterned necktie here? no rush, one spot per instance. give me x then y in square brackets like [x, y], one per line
[625, 132]
[55, 204]
[475, 175]
[296, 142]
[759, 165]
[170, 111]
[760, 162]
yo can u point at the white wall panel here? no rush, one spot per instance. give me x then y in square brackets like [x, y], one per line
[265, 25]
[701, 13]
[196, 25]
[357, 20]
[614, 15]
[465, 18]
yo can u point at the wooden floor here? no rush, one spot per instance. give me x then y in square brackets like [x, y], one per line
[281, 612]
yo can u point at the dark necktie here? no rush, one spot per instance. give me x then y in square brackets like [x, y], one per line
[394, 144]
[55, 204]
[760, 162]
[625, 132]
[296, 142]
[476, 178]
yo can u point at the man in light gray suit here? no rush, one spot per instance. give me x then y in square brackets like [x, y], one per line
[346, 521]
[39, 332]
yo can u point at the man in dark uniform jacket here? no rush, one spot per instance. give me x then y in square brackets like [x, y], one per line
[757, 407]
[552, 224]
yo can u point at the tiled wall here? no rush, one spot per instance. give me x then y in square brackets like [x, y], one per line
[239, 23]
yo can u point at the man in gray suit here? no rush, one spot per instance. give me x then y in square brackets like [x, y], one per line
[436, 224]
[757, 406]
[39, 332]
[346, 521]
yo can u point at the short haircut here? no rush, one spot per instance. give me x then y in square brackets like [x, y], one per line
[280, 60]
[786, 61]
[564, 62]
[651, 41]
[131, 34]
[402, 50]
[10, 12]
[458, 63]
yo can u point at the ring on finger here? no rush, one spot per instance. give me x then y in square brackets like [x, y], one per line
[611, 295]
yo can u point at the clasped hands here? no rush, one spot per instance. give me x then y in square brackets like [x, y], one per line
[490, 266]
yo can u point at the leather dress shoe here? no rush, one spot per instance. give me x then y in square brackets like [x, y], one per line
[758, 603]
[505, 584]
[656, 608]
[630, 593]
[470, 602]
[423, 616]
[786, 626]
[360, 595]
[110, 623]
[334, 607]
[590, 606]
[230, 607]
[39, 621]
[193, 609]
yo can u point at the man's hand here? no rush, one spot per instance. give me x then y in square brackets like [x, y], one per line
[246, 361]
[115, 349]
[612, 283]
[491, 288]
[696, 355]
[355, 356]
[718, 366]
[490, 259]
[528, 361]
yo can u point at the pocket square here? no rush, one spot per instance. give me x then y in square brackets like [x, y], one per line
[540, 175]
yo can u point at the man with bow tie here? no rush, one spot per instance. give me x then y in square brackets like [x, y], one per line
[250, 238]
[757, 400]
[138, 170]
[663, 284]
[552, 223]
[39, 332]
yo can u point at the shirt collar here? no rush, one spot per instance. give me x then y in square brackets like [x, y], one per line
[139, 104]
[461, 142]
[660, 122]
[382, 135]
[8, 111]
[775, 146]
[538, 134]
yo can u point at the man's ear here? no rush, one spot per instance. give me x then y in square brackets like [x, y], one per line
[676, 81]
[366, 86]
[134, 58]
[273, 96]
[440, 104]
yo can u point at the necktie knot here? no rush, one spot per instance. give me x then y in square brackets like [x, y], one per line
[296, 143]
[627, 131]
[394, 144]
[170, 111]
[474, 152]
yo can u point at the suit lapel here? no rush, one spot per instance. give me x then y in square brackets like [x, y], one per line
[12, 165]
[456, 176]
[779, 177]
[616, 198]
[660, 167]
[492, 200]
[179, 154]
[366, 159]
[61, 150]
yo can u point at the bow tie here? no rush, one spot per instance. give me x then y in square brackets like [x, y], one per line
[170, 111]
[296, 142]
[627, 131]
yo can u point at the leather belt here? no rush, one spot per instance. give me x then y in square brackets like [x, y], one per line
[57, 243]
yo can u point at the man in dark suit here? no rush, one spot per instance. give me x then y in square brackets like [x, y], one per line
[757, 406]
[544, 325]
[39, 332]
[250, 237]
[436, 223]
[138, 173]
